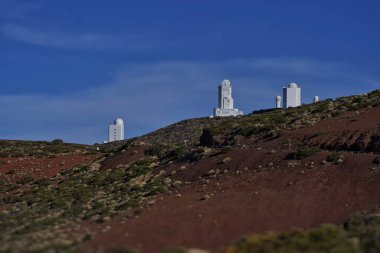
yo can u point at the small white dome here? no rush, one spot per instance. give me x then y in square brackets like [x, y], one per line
[226, 82]
[119, 122]
[293, 85]
[278, 98]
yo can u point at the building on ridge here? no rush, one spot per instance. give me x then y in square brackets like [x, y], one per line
[292, 96]
[278, 102]
[116, 131]
[225, 101]
[316, 99]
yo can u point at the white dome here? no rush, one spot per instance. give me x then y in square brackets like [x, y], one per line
[226, 82]
[119, 122]
[278, 98]
[293, 85]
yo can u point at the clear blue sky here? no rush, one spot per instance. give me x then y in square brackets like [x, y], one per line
[68, 68]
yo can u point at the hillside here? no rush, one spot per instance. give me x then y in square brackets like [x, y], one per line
[180, 133]
[267, 171]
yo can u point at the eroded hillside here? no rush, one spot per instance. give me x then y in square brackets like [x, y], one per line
[267, 171]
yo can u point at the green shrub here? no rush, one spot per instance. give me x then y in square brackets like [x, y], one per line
[11, 172]
[375, 138]
[334, 157]
[336, 114]
[305, 151]
[155, 150]
[11, 199]
[43, 182]
[87, 237]
[317, 135]
[226, 150]
[175, 153]
[121, 249]
[207, 136]
[194, 155]
[7, 186]
[143, 162]
[136, 171]
[246, 131]
[25, 180]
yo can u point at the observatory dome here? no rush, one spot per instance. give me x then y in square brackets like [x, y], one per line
[293, 85]
[278, 98]
[226, 82]
[119, 122]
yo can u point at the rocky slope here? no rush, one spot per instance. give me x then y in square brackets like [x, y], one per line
[253, 187]
[267, 171]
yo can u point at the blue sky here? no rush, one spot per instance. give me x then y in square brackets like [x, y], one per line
[68, 68]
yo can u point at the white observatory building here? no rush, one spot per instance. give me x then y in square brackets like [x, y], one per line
[316, 99]
[278, 102]
[292, 96]
[225, 101]
[116, 131]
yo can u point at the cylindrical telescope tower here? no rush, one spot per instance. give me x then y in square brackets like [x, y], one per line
[316, 99]
[278, 102]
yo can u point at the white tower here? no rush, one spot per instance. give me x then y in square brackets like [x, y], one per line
[278, 102]
[316, 99]
[292, 96]
[225, 101]
[116, 131]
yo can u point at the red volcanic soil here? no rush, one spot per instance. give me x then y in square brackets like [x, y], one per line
[258, 189]
[16, 168]
[125, 157]
[351, 131]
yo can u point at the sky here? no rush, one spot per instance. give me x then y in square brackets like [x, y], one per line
[69, 68]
